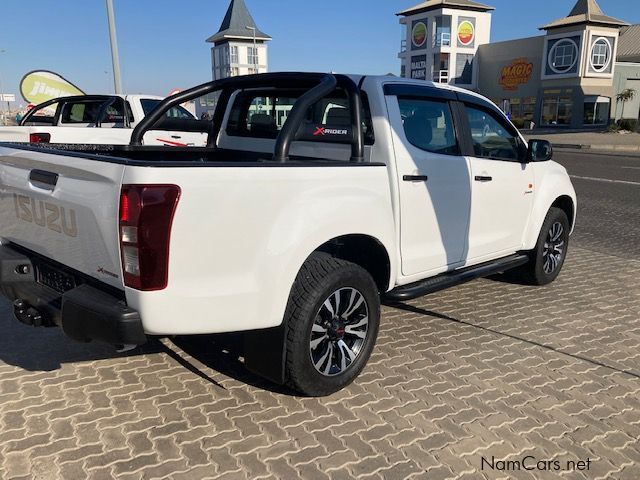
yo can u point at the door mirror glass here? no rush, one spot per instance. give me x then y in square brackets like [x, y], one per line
[539, 151]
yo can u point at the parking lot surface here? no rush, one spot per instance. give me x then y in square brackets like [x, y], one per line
[469, 383]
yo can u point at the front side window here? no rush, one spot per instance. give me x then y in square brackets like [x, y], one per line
[492, 138]
[428, 125]
[563, 56]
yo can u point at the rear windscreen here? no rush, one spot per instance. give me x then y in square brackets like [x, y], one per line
[263, 114]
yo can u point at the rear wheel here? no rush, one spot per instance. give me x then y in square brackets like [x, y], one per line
[332, 320]
[547, 259]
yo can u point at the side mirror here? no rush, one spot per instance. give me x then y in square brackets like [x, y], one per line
[539, 151]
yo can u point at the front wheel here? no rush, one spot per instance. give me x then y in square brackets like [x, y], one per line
[332, 325]
[547, 259]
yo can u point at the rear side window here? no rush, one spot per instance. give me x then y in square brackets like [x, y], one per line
[263, 114]
[87, 113]
[80, 112]
[428, 125]
[491, 137]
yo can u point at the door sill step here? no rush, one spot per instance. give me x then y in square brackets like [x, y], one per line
[456, 277]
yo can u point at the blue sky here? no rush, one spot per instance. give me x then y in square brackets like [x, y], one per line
[162, 42]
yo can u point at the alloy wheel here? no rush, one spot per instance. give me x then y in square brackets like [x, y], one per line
[554, 248]
[339, 331]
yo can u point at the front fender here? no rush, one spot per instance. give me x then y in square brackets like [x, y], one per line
[552, 182]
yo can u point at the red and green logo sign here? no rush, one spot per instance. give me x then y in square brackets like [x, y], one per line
[466, 32]
[419, 34]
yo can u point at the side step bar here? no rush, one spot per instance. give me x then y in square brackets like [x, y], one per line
[456, 277]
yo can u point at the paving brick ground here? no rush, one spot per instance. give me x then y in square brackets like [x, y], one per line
[491, 369]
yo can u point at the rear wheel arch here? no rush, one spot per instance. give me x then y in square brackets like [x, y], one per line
[365, 251]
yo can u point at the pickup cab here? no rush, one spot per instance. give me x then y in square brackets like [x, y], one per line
[316, 196]
[103, 119]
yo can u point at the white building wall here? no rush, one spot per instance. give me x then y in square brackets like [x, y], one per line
[482, 35]
[223, 67]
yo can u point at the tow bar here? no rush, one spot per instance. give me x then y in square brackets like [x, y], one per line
[28, 315]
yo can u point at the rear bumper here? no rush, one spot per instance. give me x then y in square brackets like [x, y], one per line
[84, 313]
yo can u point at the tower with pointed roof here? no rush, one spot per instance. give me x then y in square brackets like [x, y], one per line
[239, 46]
[441, 39]
[581, 45]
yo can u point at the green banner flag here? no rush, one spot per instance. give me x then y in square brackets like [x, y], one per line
[42, 85]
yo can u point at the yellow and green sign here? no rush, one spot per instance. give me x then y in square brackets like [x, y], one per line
[419, 34]
[42, 85]
[466, 33]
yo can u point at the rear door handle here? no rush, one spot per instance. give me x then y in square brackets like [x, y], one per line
[43, 179]
[177, 137]
[415, 178]
[481, 178]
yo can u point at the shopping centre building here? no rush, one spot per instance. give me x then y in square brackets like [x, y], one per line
[568, 77]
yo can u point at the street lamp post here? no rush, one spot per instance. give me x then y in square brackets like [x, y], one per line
[256, 63]
[115, 57]
[5, 119]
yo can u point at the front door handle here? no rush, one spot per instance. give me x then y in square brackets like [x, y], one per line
[481, 178]
[415, 178]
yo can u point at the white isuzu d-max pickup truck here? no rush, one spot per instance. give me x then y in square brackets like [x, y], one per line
[316, 196]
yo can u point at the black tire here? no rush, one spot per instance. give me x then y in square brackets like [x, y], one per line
[320, 278]
[550, 253]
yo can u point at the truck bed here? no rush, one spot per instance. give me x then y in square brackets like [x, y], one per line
[139, 155]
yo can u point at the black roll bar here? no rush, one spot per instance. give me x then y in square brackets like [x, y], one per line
[103, 111]
[297, 115]
[320, 85]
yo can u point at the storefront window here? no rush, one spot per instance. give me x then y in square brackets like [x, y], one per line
[549, 111]
[596, 110]
[515, 107]
[513, 111]
[528, 109]
[565, 108]
[557, 111]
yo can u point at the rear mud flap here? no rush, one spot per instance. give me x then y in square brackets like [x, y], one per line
[265, 353]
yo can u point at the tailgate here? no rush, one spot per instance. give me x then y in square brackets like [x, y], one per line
[14, 134]
[64, 208]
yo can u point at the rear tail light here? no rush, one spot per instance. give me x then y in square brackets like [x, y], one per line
[39, 138]
[146, 215]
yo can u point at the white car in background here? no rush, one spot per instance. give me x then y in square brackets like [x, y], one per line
[103, 120]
